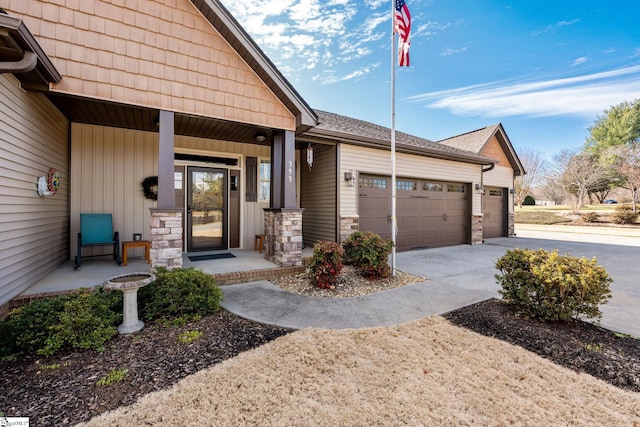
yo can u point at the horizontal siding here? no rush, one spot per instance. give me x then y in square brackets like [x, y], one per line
[378, 162]
[33, 230]
[318, 197]
[501, 177]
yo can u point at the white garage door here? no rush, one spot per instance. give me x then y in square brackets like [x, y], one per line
[430, 213]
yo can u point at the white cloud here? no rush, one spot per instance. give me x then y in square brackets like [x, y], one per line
[583, 96]
[555, 27]
[579, 61]
[636, 53]
[451, 51]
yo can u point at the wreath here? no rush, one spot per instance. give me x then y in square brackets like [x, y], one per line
[53, 181]
[150, 187]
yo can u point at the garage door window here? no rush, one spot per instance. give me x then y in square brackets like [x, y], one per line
[407, 185]
[497, 193]
[372, 183]
[455, 188]
[432, 186]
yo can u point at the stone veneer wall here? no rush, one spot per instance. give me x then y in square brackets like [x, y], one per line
[166, 238]
[283, 240]
[512, 223]
[348, 224]
[476, 230]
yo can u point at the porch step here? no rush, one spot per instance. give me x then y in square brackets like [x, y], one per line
[223, 279]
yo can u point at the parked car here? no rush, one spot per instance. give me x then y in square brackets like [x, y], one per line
[610, 202]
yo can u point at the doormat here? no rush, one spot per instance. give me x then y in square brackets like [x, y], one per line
[212, 256]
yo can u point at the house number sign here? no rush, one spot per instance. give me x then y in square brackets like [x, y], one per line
[290, 171]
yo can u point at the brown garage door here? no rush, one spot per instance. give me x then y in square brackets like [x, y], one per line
[430, 213]
[493, 210]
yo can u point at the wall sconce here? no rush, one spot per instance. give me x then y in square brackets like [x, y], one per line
[309, 156]
[261, 137]
[479, 188]
[512, 191]
[350, 178]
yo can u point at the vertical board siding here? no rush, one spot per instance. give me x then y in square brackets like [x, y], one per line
[109, 164]
[318, 197]
[107, 168]
[378, 162]
[33, 230]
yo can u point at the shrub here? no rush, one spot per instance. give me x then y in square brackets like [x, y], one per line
[590, 217]
[80, 320]
[624, 214]
[529, 201]
[326, 264]
[552, 287]
[179, 292]
[369, 252]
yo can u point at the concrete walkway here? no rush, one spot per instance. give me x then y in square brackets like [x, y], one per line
[456, 276]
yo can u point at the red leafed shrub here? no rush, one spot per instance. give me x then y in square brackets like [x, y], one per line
[326, 264]
[369, 252]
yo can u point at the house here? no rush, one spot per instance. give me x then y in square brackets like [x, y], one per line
[108, 94]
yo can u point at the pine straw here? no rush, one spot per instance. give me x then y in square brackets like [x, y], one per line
[428, 372]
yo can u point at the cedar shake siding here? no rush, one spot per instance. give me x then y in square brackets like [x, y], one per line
[34, 230]
[150, 53]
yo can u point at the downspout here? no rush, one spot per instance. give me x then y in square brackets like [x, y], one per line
[24, 65]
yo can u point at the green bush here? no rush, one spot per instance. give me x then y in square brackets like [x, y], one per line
[589, 217]
[326, 264]
[624, 214]
[552, 287]
[79, 320]
[369, 253]
[179, 292]
[529, 201]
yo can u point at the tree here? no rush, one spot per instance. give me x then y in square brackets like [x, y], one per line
[580, 174]
[552, 189]
[535, 166]
[627, 165]
[618, 126]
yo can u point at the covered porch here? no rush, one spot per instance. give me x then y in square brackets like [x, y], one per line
[246, 265]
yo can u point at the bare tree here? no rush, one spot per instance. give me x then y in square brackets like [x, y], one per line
[552, 189]
[627, 165]
[581, 173]
[535, 166]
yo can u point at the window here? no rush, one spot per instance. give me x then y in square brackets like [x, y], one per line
[264, 180]
[407, 185]
[495, 193]
[455, 188]
[372, 183]
[432, 186]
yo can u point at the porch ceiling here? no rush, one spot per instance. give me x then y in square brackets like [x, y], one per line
[102, 113]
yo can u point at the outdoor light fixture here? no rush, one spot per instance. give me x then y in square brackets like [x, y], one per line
[350, 178]
[479, 187]
[261, 137]
[309, 156]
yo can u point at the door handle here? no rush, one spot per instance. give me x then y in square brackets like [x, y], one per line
[444, 216]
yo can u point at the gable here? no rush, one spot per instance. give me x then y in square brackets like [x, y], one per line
[493, 150]
[157, 54]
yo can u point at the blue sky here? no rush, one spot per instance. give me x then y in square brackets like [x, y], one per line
[544, 69]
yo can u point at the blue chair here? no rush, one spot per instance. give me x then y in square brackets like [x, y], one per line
[97, 230]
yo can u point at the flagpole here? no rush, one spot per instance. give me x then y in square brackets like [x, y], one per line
[393, 140]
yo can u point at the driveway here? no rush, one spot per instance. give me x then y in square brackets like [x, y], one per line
[469, 270]
[456, 276]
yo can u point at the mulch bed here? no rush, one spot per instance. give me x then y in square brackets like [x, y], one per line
[578, 345]
[155, 360]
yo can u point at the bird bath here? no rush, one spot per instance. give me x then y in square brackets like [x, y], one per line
[129, 284]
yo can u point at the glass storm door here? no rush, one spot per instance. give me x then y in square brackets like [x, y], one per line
[206, 209]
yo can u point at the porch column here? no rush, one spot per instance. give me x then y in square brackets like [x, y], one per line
[283, 170]
[166, 156]
[283, 221]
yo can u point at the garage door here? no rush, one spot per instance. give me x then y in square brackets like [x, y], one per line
[430, 213]
[493, 209]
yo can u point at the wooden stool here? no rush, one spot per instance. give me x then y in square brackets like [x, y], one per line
[136, 244]
[259, 242]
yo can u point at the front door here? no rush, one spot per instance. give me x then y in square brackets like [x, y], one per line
[206, 209]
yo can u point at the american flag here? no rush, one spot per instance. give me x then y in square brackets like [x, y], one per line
[402, 19]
